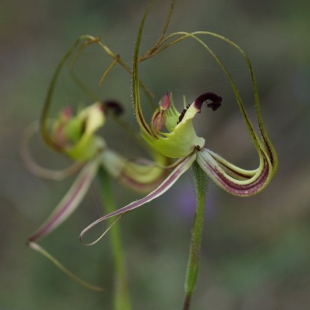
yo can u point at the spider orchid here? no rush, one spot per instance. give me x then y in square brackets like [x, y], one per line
[172, 133]
[75, 137]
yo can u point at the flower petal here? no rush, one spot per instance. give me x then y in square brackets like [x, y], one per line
[161, 189]
[34, 167]
[89, 120]
[259, 143]
[241, 182]
[140, 176]
[70, 201]
[66, 271]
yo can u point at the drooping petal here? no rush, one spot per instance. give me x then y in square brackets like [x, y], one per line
[161, 189]
[66, 271]
[259, 142]
[142, 177]
[237, 181]
[232, 169]
[70, 201]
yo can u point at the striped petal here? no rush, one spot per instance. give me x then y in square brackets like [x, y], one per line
[234, 180]
[70, 201]
[161, 189]
[139, 176]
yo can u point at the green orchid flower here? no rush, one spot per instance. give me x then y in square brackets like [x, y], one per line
[172, 134]
[75, 137]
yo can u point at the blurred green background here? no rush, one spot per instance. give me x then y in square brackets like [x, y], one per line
[255, 250]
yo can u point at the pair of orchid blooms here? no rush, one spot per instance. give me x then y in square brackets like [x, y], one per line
[170, 136]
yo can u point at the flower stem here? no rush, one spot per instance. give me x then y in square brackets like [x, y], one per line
[200, 181]
[121, 294]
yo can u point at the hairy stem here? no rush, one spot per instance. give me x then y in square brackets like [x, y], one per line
[121, 294]
[200, 181]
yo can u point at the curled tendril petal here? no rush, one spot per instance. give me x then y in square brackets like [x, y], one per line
[103, 234]
[245, 185]
[34, 167]
[42, 251]
[140, 176]
[161, 189]
[69, 202]
[50, 92]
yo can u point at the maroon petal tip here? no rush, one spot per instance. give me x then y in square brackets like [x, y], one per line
[113, 106]
[215, 103]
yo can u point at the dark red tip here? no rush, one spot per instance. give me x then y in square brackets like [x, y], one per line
[113, 106]
[213, 101]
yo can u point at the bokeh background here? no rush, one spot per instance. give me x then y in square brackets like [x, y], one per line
[255, 251]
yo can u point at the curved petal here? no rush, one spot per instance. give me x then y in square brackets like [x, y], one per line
[66, 271]
[142, 177]
[241, 182]
[161, 189]
[259, 143]
[232, 169]
[70, 201]
[34, 167]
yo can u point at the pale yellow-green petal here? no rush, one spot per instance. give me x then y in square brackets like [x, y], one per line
[142, 177]
[181, 141]
[91, 118]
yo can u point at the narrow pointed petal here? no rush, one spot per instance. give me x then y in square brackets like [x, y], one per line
[70, 201]
[161, 189]
[232, 169]
[66, 271]
[258, 142]
[145, 129]
[249, 184]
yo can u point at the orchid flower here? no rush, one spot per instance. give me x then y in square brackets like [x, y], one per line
[75, 137]
[179, 141]
[172, 134]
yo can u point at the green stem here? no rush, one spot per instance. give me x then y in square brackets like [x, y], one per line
[121, 294]
[194, 254]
